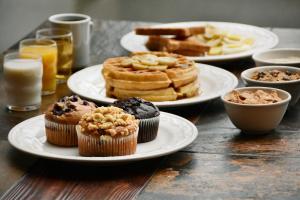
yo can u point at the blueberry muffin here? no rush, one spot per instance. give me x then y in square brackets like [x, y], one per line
[107, 131]
[146, 112]
[62, 117]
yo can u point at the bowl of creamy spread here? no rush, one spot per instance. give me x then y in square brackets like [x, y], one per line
[282, 56]
[256, 110]
[282, 77]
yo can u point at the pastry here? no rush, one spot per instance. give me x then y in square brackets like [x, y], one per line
[146, 112]
[107, 131]
[153, 76]
[188, 47]
[62, 117]
[195, 41]
[180, 32]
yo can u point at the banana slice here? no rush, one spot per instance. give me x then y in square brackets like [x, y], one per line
[234, 48]
[127, 62]
[170, 61]
[214, 42]
[215, 51]
[234, 37]
[139, 66]
[248, 41]
[147, 59]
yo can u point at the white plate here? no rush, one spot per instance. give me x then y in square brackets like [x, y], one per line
[264, 39]
[174, 134]
[214, 82]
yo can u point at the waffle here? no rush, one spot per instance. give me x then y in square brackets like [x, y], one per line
[155, 76]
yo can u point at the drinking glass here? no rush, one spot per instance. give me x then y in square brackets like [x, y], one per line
[23, 81]
[47, 49]
[64, 42]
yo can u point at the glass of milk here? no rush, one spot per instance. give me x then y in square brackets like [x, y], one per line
[23, 74]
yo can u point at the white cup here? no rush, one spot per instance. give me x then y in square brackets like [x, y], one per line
[81, 26]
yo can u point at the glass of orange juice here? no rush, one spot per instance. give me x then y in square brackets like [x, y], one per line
[64, 42]
[47, 49]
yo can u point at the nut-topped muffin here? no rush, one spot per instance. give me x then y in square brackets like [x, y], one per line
[146, 112]
[62, 117]
[107, 131]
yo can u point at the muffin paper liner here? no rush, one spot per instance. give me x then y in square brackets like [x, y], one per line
[148, 129]
[104, 145]
[61, 134]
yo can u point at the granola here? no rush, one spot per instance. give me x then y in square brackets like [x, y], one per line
[275, 75]
[253, 97]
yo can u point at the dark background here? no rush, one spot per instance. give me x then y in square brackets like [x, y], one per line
[19, 17]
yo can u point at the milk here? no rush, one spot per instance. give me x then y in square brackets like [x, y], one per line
[23, 82]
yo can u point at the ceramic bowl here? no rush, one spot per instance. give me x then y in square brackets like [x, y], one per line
[257, 118]
[293, 87]
[283, 56]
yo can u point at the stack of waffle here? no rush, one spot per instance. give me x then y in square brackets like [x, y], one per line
[153, 76]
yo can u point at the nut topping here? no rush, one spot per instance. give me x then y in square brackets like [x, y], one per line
[108, 121]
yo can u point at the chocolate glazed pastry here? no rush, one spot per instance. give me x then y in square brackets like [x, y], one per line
[146, 112]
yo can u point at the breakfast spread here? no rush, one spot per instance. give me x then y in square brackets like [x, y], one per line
[275, 75]
[195, 41]
[62, 117]
[164, 74]
[253, 97]
[146, 112]
[107, 131]
[153, 76]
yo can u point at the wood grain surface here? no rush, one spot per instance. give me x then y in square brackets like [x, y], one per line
[222, 163]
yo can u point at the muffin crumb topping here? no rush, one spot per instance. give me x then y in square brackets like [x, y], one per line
[108, 121]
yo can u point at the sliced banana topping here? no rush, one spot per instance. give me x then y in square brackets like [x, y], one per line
[149, 62]
[139, 66]
[127, 62]
[147, 59]
[170, 61]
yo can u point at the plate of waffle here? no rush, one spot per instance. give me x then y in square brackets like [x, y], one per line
[201, 41]
[166, 79]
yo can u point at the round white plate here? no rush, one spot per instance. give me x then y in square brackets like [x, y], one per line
[214, 82]
[174, 134]
[264, 39]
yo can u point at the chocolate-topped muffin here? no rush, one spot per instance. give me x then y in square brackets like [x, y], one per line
[62, 117]
[146, 112]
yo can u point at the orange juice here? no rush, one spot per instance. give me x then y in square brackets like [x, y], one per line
[49, 57]
[64, 42]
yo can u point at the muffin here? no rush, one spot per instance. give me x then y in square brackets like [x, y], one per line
[146, 112]
[107, 131]
[62, 117]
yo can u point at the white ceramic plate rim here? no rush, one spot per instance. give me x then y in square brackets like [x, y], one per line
[113, 159]
[182, 102]
[270, 44]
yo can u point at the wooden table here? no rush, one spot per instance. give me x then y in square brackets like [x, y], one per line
[220, 164]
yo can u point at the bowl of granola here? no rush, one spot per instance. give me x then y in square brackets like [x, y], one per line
[282, 77]
[256, 110]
